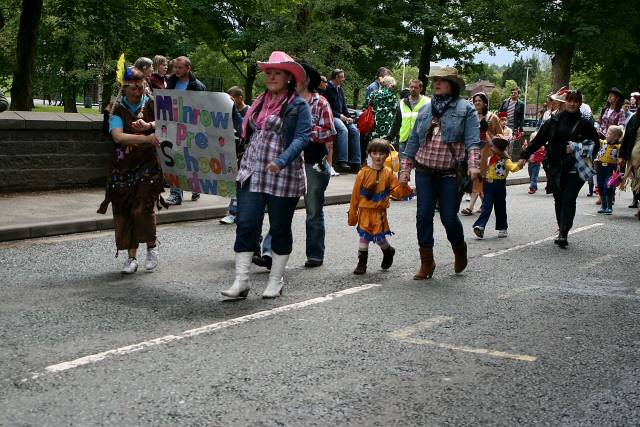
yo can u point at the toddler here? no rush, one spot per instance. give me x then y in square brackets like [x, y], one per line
[374, 186]
[495, 188]
[606, 163]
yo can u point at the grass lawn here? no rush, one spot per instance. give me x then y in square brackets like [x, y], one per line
[52, 109]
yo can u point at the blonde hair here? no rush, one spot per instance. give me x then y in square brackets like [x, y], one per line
[388, 81]
[619, 130]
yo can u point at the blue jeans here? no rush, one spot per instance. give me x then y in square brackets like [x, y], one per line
[348, 142]
[178, 193]
[249, 220]
[565, 201]
[495, 196]
[534, 171]
[429, 189]
[317, 183]
[606, 193]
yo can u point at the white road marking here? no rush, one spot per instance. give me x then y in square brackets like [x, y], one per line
[86, 360]
[537, 242]
[405, 334]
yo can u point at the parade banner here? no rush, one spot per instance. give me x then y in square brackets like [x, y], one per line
[197, 147]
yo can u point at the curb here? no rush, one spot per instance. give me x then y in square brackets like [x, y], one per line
[56, 228]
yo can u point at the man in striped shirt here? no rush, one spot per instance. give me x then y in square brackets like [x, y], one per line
[515, 110]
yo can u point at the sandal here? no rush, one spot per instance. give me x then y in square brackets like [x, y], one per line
[466, 211]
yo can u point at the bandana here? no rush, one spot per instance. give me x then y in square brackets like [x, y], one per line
[439, 104]
[266, 107]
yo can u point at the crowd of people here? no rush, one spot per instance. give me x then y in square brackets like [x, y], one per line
[286, 142]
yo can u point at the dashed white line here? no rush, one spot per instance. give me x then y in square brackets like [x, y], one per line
[86, 360]
[537, 242]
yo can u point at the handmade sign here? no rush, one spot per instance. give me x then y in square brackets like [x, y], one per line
[197, 149]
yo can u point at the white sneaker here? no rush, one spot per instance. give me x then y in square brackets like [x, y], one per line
[502, 233]
[229, 219]
[333, 172]
[151, 262]
[130, 266]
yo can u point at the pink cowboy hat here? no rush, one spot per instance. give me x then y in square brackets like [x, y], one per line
[281, 61]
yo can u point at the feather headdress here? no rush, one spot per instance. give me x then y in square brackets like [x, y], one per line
[120, 70]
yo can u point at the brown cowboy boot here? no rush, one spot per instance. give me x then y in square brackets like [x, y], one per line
[387, 258]
[361, 268]
[460, 253]
[427, 264]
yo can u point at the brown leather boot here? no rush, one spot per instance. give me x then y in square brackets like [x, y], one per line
[387, 258]
[361, 268]
[460, 253]
[427, 264]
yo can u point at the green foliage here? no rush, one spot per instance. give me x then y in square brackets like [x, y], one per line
[80, 40]
[495, 99]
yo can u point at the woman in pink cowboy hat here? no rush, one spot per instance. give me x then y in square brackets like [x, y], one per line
[277, 128]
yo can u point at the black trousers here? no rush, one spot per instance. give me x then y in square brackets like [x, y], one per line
[565, 201]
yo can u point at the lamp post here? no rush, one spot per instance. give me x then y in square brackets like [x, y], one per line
[404, 65]
[526, 87]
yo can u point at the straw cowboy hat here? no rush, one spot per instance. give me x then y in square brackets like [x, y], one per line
[281, 61]
[449, 74]
[561, 94]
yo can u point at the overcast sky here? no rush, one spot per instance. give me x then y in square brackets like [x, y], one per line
[502, 57]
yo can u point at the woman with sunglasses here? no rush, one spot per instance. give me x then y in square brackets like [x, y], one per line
[570, 140]
[135, 177]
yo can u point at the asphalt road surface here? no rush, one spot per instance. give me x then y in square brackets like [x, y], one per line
[529, 334]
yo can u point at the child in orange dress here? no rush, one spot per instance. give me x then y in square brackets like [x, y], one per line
[369, 203]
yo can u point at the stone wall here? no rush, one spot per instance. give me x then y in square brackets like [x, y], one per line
[43, 151]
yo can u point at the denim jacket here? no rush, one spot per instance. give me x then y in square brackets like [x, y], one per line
[459, 123]
[296, 131]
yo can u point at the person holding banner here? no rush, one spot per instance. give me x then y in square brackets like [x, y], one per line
[135, 177]
[183, 79]
[278, 128]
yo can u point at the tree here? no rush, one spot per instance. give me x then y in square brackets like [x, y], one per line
[570, 27]
[22, 87]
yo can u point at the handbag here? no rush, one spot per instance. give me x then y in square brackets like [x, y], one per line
[465, 184]
[393, 160]
[616, 179]
[367, 120]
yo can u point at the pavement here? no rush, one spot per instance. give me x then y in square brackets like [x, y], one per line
[49, 213]
[528, 335]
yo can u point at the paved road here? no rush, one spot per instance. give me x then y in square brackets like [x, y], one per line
[530, 334]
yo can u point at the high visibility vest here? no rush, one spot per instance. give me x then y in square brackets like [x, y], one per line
[409, 116]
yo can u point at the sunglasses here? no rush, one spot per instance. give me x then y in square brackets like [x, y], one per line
[135, 85]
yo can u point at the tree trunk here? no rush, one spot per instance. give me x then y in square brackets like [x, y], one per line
[425, 58]
[561, 66]
[252, 72]
[69, 98]
[22, 87]
[356, 95]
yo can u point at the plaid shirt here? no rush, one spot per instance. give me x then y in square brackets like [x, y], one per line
[323, 129]
[436, 155]
[612, 117]
[265, 146]
[582, 153]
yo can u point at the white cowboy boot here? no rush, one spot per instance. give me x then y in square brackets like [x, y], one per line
[240, 287]
[276, 281]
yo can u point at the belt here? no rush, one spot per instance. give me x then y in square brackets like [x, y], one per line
[433, 171]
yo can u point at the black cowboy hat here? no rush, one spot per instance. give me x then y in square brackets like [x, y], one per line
[616, 91]
[312, 74]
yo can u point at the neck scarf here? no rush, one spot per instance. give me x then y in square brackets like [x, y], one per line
[262, 108]
[439, 104]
